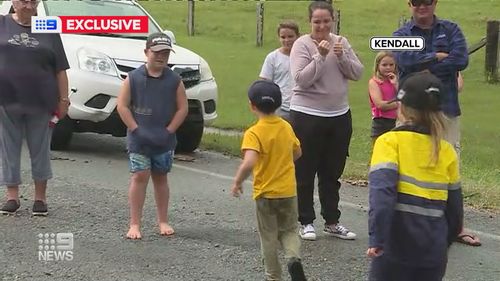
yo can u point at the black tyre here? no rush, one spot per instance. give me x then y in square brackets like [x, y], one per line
[189, 136]
[61, 136]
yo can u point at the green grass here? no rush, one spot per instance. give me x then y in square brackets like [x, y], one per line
[225, 37]
[229, 145]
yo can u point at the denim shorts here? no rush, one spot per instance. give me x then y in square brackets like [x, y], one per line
[160, 163]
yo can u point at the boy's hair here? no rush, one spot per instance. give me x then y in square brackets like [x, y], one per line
[288, 24]
[378, 58]
[420, 96]
[265, 95]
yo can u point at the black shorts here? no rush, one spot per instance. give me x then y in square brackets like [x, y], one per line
[382, 125]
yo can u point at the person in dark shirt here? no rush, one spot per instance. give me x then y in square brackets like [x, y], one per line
[34, 85]
[445, 54]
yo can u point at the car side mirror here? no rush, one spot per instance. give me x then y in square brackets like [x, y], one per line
[171, 35]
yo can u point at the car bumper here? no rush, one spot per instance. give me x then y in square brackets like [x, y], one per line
[87, 86]
[205, 94]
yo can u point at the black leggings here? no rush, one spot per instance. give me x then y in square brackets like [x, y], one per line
[325, 145]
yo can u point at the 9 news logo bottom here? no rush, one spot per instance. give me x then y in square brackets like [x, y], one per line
[55, 246]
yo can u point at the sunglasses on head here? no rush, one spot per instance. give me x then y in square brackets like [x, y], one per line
[416, 3]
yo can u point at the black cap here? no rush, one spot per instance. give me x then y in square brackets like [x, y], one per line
[422, 91]
[265, 95]
[158, 42]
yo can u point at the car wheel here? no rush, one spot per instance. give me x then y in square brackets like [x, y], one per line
[61, 136]
[189, 136]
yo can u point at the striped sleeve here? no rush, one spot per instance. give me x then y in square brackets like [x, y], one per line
[383, 179]
[454, 204]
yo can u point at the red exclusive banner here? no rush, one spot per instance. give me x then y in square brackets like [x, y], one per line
[106, 24]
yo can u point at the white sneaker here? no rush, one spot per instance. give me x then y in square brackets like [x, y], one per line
[339, 231]
[307, 232]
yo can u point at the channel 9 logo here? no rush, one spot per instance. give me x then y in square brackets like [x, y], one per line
[89, 24]
[46, 25]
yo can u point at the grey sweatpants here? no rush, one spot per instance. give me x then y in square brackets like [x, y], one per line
[14, 127]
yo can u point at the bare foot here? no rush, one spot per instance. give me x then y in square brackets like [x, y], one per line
[166, 229]
[134, 232]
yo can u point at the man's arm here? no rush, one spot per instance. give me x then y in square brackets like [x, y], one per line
[123, 106]
[458, 57]
[412, 61]
[182, 109]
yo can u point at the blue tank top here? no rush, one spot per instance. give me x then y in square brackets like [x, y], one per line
[153, 103]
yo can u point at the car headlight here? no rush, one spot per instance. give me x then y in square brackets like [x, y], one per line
[94, 61]
[205, 71]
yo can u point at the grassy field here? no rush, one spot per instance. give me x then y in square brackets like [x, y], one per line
[225, 37]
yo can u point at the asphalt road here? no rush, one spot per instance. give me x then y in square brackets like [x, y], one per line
[215, 239]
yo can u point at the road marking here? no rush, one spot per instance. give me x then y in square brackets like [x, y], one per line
[342, 203]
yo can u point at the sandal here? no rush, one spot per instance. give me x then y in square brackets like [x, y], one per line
[468, 239]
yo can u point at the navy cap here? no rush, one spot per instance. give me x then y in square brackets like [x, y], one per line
[422, 91]
[265, 95]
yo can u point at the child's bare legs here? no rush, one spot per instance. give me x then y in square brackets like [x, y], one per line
[136, 197]
[162, 196]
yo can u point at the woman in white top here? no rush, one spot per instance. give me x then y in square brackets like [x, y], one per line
[276, 66]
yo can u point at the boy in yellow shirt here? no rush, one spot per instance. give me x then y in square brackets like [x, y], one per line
[270, 148]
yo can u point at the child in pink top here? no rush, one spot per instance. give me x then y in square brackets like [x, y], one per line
[382, 88]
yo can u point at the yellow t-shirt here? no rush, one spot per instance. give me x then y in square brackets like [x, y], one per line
[274, 174]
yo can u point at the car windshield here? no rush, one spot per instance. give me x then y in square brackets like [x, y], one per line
[99, 8]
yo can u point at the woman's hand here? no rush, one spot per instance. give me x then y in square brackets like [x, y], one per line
[338, 48]
[323, 47]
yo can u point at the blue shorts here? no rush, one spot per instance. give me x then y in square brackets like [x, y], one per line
[160, 163]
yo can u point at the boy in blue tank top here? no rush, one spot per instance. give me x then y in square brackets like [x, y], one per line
[152, 103]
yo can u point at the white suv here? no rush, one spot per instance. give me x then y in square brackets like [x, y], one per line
[100, 62]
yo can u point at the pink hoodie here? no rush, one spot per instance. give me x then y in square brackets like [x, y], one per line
[321, 84]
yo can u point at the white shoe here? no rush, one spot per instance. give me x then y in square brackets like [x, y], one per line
[339, 231]
[307, 232]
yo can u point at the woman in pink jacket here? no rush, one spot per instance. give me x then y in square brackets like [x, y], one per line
[321, 64]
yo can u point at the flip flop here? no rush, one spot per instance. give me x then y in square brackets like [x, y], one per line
[461, 239]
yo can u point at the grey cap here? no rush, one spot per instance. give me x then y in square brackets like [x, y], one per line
[158, 42]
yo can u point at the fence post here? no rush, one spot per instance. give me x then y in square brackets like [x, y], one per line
[260, 23]
[402, 21]
[492, 56]
[190, 22]
[336, 22]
